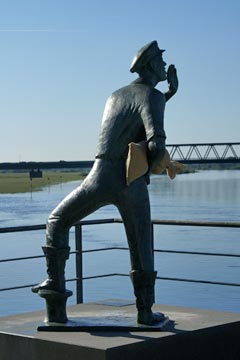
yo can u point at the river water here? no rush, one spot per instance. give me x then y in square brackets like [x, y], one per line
[205, 196]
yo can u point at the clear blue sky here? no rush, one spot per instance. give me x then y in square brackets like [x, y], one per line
[61, 59]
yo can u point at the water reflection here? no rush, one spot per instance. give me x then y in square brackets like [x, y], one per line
[216, 186]
[209, 195]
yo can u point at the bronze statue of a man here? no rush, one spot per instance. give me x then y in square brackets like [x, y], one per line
[133, 113]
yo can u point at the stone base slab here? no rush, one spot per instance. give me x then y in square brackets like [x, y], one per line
[190, 334]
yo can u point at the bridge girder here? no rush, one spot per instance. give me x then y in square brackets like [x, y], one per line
[204, 153]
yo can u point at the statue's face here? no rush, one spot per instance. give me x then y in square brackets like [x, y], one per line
[158, 66]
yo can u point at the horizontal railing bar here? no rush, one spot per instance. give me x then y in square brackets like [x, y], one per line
[196, 253]
[22, 258]
[43, 226]
[197, 223]
[126, 275]
[95, 222]
[102, 276]
[198, 281]
[28, 286]
[72, 252]
[68, 280]
[168, 278]
[96, 277]
[17, 287]
[125, 248]
[22, 228]
[119, 220]
[166, 251]
[192, 223]
[104, 249]
[27, 257]
[164, 278]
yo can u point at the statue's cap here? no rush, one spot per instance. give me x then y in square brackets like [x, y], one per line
[144, 55]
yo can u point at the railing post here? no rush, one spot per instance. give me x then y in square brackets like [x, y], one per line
[152, 241]
[152, 245]
[79, 271]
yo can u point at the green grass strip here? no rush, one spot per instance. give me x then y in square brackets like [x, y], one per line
[12, 183]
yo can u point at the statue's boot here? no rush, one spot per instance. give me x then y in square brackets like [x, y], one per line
[143, 284]
[56, 260]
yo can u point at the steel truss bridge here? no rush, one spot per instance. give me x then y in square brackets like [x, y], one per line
[205, 153]
[186, 153]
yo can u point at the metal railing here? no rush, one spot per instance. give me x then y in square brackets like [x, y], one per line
[79, 251]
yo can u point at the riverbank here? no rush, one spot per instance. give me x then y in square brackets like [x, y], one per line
[12, 183]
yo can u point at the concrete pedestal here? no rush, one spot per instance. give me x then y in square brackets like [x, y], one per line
[190, 334]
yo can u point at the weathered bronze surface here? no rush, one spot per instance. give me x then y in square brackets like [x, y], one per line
[134, 113]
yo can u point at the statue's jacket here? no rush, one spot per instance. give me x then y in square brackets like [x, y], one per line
[133, 113]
